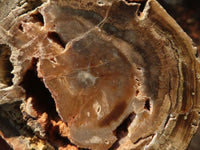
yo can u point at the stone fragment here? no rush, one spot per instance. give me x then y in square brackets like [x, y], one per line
[100, 74]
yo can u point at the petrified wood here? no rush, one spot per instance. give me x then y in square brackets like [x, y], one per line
[96, 74]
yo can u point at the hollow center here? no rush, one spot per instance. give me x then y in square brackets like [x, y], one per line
[35, 88]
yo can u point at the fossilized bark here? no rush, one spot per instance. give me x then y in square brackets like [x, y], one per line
[97, 75]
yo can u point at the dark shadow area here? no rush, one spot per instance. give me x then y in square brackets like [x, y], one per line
[141, 8]
[142, 5]
[56, 38]
[20, 27]
[4, 145]
[147, 104]
[37, 17]
[195, 143]
[12, 123]
[168, 7]
[35, 88]
[55, 138]
[5, 65]
[187, 14]
[43, 102]
[122, 130]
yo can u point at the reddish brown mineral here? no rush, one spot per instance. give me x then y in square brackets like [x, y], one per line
[101, 74]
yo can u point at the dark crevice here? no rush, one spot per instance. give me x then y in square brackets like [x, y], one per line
[43, 102]
[167, 120]
[20, 27]
[56, 38]
[142, 5]
[122, 130]
[147, 104]
[38, 18]
[142, 138]
[141, 8]
[5, 65]
[35, 88]
[137, 92]
[53, 60]
[55, 137]
[197, 54]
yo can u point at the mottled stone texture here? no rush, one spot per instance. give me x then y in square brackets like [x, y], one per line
[96, 74]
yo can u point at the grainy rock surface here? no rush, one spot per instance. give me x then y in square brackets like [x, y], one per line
[96, 75]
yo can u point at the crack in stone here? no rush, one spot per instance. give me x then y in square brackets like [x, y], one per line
[143, 138]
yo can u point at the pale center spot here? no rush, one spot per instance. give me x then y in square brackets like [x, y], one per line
[88, 114]
[86, 78]
[95, 139]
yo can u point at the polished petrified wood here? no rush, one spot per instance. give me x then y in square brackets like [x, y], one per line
[98, 74]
